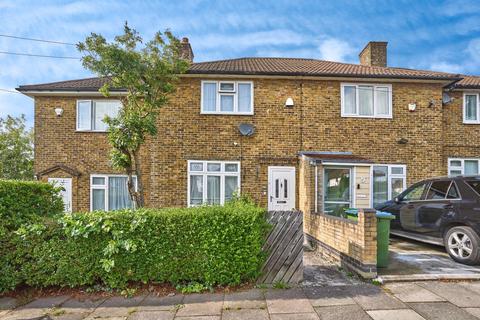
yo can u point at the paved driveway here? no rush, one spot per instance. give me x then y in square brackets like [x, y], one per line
[422, 300]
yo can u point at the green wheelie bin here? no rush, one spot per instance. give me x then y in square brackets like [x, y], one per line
[383, 233]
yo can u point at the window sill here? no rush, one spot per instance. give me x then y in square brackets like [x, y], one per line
[471, 122]
[227, 113]
[366, 117]
[90, 131]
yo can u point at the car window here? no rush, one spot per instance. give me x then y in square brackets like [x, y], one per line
[453, 192]
[438, 190]
[415, 193]
[475, 184]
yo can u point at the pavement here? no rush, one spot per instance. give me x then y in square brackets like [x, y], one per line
[420, 300]
[326, 293]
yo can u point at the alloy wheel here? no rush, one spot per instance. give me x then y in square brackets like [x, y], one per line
[460, 245]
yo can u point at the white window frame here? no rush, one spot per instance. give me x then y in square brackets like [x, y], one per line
[391, 176]
[462, 165]
[204, 173]
[375, 88]
[233, 93]
[465, 94]
[105, 186]
[92, 113]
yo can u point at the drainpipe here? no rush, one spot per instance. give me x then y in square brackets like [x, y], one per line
[316, 188]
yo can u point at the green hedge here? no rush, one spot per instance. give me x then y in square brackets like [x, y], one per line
[211, 245]
[25, 201]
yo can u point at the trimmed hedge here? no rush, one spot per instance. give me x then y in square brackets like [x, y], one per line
[25, 201]
[210, 245]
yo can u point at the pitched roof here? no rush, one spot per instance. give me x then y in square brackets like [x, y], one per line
[468, 82]
[269, 67]
[310, 67]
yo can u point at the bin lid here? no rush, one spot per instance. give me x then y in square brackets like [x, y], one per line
[352, 211]
[385, 215]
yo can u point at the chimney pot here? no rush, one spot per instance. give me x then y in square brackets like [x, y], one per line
[186, 50]
[374, 54]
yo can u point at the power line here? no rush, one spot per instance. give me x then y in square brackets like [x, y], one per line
[39, 40]
[9, 91]
[37, 55]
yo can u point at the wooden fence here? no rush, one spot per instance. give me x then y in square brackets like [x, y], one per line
[284, 246]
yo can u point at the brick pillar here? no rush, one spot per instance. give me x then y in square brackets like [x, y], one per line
[367, 220]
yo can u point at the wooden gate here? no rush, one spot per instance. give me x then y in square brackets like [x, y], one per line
[284, 246]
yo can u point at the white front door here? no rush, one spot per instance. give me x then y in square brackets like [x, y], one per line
[281, 188]
[66, 193]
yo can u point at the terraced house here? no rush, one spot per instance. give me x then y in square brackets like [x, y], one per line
[291, 133]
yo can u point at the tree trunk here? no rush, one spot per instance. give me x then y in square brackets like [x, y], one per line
[139, 198]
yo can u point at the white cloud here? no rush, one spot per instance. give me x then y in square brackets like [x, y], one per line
[443, 66]
[335, 50]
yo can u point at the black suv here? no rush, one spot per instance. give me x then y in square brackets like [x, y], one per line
[443, 211]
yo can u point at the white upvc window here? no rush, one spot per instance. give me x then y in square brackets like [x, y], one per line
[91, 113]
[388, 181]
[463, 166]
[212, 182]
[471, 108]
[227, 97]
[366, 100]
[110, 192]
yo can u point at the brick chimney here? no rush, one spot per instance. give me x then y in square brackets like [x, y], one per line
[186, 50]
[374, 54]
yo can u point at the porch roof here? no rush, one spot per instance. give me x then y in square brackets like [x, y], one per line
[337, 157]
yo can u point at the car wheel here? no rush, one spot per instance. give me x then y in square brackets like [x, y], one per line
[463, 245]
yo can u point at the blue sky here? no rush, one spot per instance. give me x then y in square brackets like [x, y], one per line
[436, 35]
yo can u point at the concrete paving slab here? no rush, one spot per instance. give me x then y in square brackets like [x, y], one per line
[441, 311]
[294, 316]
[472, 286]
[351, 312]
[370, 297]
[199, 318]
[456, 294]
[329, 296]
[249, 299]
[165, 303]
[69, 316]
[245, 314]
[411, 292]
[208, 304]
[7, 303]
[117, 307]
[397, 314]
[287, 301]
[151, 315]
[19, 314]
[473, 311]
[117, 302]
[80, 306]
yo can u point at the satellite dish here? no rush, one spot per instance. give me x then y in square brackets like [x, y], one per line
[246, 129]
[446, 99]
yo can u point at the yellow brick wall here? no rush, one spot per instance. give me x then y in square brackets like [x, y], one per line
[314, 123]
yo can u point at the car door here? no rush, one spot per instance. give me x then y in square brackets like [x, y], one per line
[410, 201]
[437, 204]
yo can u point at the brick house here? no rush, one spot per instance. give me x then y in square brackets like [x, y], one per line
[304, 133]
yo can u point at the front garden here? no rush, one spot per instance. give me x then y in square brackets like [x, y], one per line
[41, 246]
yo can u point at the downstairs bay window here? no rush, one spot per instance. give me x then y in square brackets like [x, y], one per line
[388, 181]
[110, 192]
[212, 182]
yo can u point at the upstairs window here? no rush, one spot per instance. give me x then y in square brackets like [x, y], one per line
[463, 166]
[90, 114]
[471, 108]
[227, 97]
[366, 100]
